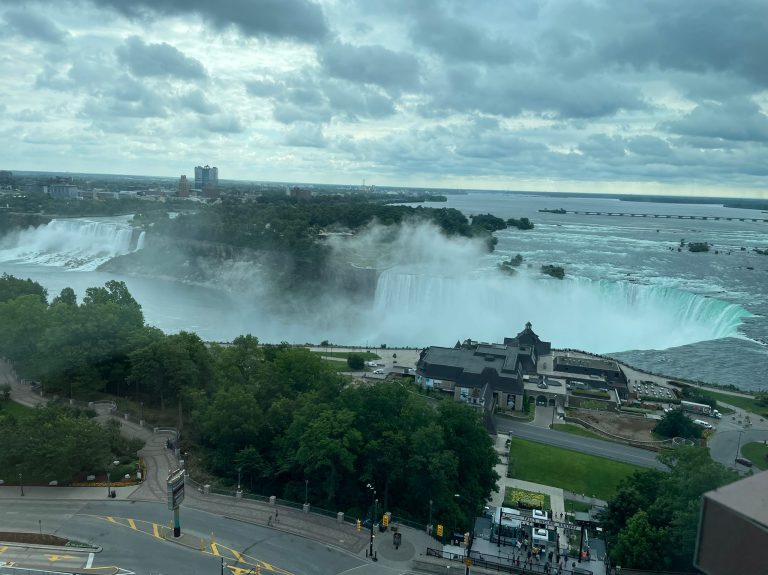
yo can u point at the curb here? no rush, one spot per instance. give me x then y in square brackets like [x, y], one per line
[73, 549]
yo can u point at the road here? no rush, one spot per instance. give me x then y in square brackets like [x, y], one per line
[131, 534]
[607, 449]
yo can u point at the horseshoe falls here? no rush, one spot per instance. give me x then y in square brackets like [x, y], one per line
[579, 313]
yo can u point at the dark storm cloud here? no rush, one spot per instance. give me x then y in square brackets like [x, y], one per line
[163, 59]
[304, 97]
[737, 119]
[368, 64]
[456, 40]
[298, 19]
[34, 26]
[508, 92]
[690, 35]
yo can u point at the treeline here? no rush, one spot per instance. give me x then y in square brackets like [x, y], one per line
[55, 443]
[652, 521]
[280, 415]
[43, 204]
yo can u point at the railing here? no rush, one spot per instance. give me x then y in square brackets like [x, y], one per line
[506, 564]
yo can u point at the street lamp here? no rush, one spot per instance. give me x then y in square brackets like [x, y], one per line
[21, 484]
[108, 490]
[306, 491]
[239, 469]
[373, 516]
[738, 445]
[429, 525]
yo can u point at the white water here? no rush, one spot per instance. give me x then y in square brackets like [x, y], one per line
[78, 244]
[599, 316]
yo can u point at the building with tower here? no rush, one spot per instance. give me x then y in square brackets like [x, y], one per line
[183, 187]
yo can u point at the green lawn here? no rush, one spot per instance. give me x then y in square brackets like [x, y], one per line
[757, 453]
[576, 430]
[367, 355]
[572, 506]
[747, 403]
[11, 407]
[570, 470]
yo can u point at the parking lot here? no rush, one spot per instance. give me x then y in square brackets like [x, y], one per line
[650, 390]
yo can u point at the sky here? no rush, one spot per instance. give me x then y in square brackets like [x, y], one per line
[653, 96]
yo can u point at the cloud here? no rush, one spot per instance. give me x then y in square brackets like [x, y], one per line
[737, 119]
[222, 124]
[298, 19]
[305, 135]
[163, 59]
[370, 64]
[34, 26]
[456, 41]
[196, 101]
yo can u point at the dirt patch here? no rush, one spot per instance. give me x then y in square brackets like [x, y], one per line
[32, 538]
[629, 427]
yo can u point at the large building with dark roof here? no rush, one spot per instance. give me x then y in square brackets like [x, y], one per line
[482, 374]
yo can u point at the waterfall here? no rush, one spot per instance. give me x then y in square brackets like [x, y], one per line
[77, 243]
[600, 316]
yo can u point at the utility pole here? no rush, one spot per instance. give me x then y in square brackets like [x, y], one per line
[21, 484]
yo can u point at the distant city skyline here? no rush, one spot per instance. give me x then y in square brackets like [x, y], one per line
[619, 97]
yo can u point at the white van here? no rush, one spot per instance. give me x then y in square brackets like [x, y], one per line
[703, 423]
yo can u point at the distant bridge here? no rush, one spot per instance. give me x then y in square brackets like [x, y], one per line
[663, 216]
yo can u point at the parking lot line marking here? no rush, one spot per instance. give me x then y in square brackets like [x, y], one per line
[132, 524]
[215, 550]
[156, 530]
[111, 519]
[90, 561]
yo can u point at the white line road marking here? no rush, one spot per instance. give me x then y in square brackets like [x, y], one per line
[90, 561]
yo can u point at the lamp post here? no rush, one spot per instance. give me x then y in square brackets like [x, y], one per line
[306, 491]
[373, 516]
[738, 445]
[239, 470]
[429, 525]
[21, 484]
[108, 490]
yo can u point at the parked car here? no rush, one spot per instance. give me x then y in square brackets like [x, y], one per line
[703, 423]
[744, 461]
[378, 371]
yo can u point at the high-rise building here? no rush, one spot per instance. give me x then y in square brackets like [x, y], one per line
[183, 187]
[206, 177]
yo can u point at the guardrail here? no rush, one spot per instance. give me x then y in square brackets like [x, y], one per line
[506, 563]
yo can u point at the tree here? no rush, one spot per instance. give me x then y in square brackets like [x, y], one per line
[66, 297]
[676, 424]
[12, 287]
[653, 518]
[355, 361]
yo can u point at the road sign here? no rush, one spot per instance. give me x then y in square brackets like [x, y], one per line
[175, 488]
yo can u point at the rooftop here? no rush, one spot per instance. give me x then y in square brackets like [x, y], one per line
[605, 364]
[748, 497]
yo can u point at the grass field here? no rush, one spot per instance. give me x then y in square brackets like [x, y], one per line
[757, 453]
[572, 506]
[11, 407]
[576, 430]
[747, 403]
[570, 470]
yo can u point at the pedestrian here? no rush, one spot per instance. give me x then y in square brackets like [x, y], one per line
[269, 521]
[277, 512]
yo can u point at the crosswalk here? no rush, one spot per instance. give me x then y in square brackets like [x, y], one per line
[236, 562]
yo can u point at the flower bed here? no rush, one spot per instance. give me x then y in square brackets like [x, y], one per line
[520, 498]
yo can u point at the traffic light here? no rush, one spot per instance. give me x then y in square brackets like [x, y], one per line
[466, 539]
[439, 530]
[385, 520]
[359, 525]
